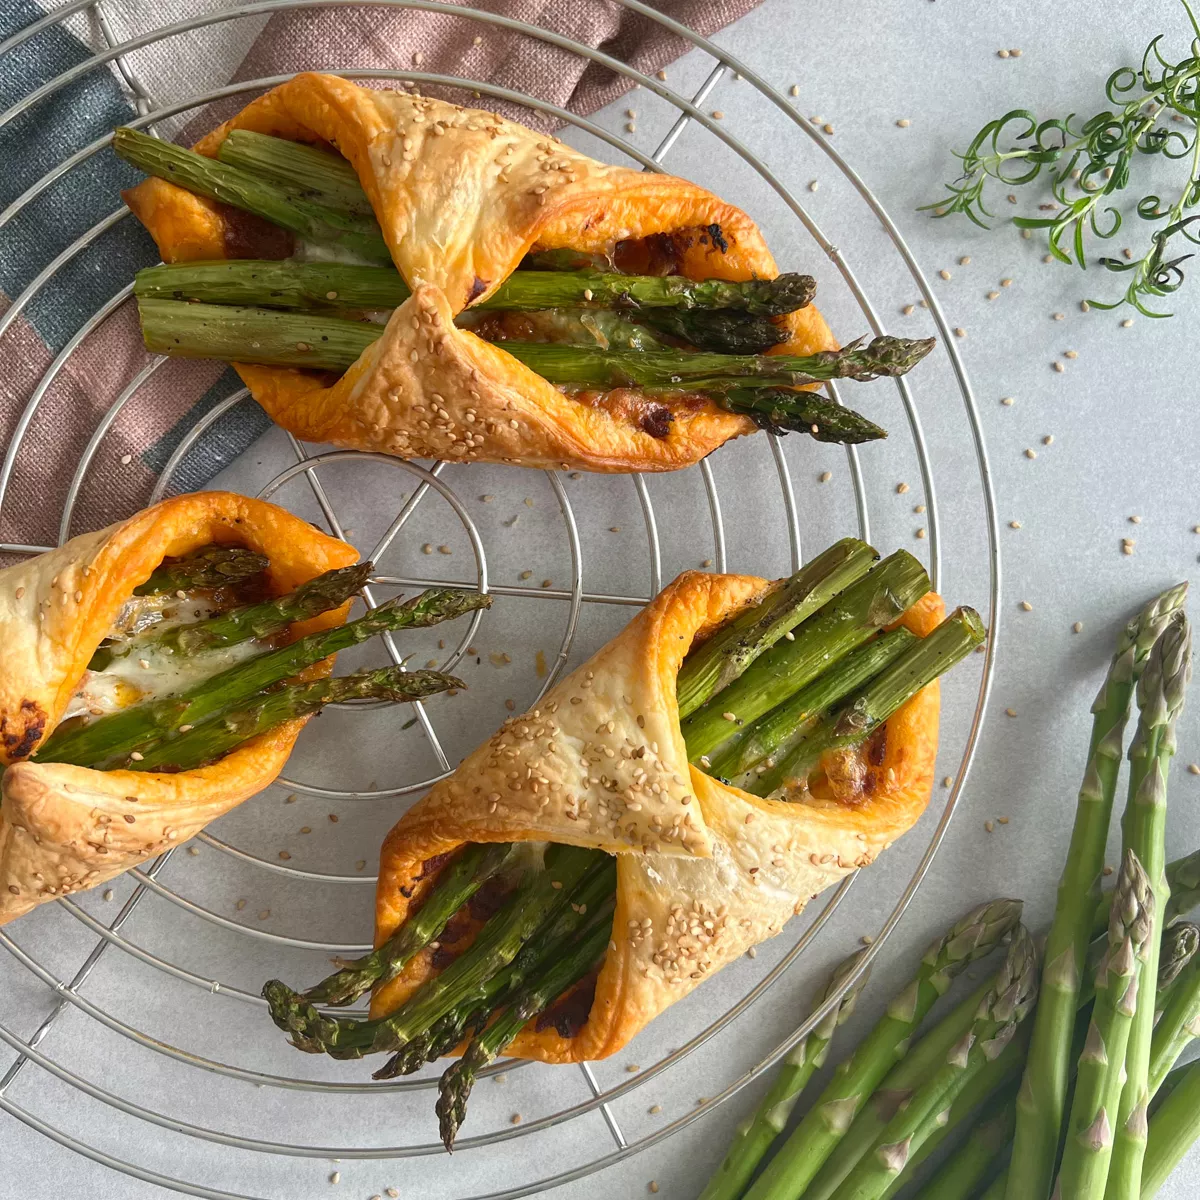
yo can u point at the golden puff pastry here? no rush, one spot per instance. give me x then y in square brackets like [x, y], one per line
[462, 195]
[704, 870]
[65, 828]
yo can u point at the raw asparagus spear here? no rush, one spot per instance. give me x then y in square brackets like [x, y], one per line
[1003, 1009]
[210, 567]
[325, 592]
[456, 884]
[218, 180]
[801, 1156]
[307, 171]
[1177, 1028]
[716, 663]
[1089, 1137]
[769, 739]
[877, 599]
[454, 1088]
[896, 1089]
[1160, 696]
[293, 285]
[919, 665]
[1041, 1104]
[782, 410]
[1178, 948]
[310, 339]
[115, 736]
[754, 1136]
[1174, 1126]
[593, 900]
[215, 737]
[1183, 878]
[961, 1175]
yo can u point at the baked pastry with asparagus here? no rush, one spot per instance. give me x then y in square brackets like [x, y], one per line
[155, 674]
[391, 272]
[739, 747]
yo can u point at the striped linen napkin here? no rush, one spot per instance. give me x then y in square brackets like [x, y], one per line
[56, 423]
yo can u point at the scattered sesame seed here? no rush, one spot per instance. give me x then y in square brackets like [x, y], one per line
[1001, 53]
[965, 261]
[989, 826]
[547, 583]
[921, 533]
[1077, 627]
[827, 129]
[901, 488]
[427, 548]
[445, 550]
[1006, 283]
[1048, 440]
[1060, 316]
[653, 1185]
[336, 1177]
[993, 295]
[903, 123]
[1014, 524]
[630, 127]
[1135, 520]
[918, 508]
[706, 562]
[1049, 258]
[1125, 324]
[1027, 234]
[907, 310]
[948, 781]
[1026, 606]
[630, 113]
[867, 939]
[477, 41]
[1058, 367]
[1127, 545]
[126, 459]
[728, 716]
[752, 952]
[794, 90]
[1107, 871]
[655, 1109]
[392, 1192]
[1084, 306]
[334, 818]
[137, 756]
[290, 799]
[1015, 53]
[633, 1068]
[516, 1118]
[1002, 820]
[1070, 354]
[266, 912]
[944, 273]
[487, 499]
[193, 851]
[718, 114]
[108, 893]
[525, 575]
[960, 332]
[1007, 401]
[1194, 768]
[1031, 454]
[1010, 712]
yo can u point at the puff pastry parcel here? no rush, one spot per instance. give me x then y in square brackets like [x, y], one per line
[64, 828]
[461, 196]
[704, 870]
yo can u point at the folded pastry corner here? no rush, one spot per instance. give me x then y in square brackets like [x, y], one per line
[65, 827]
[461, 195]
[704, 869]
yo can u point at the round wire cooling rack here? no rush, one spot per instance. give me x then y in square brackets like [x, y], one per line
[207, 1105]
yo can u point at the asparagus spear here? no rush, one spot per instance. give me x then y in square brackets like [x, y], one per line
[1085, 1162]
[877, 599]
[1160, 696]
[454, 1088]
[310, 339]
[717, 662]
[218, 180]
[593, 900]
[456, 884]
[588, 327]
[1177, 1028]
[294, 285]
[720, 330]
[325, 592]
[1174, 1126]
[1183, 878]
[537, 897]
[770, 738]
[1178, 948]
[920, 664]
[801, 1156]
[782, 410]
[209, 567]
[1005, 1006]
[114, 737]
[216, 736]
[1041, 1104]
[960, 1176]
[307, 171]
[896, 1089]
[754, 1136]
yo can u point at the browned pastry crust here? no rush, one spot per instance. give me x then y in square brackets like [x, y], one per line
[704, 870]
[462, 195]
[65, 828]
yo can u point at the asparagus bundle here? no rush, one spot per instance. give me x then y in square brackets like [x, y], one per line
[754, 1136]
[1042, 1102]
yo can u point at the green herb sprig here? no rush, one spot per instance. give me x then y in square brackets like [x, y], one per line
[1088, 164]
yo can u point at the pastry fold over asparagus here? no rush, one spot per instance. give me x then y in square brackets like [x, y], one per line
[461, 197]
[155, 674]
[704, 870]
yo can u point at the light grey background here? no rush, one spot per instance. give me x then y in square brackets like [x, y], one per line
[1120, 416]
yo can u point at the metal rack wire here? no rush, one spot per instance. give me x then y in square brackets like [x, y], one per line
[311, 467]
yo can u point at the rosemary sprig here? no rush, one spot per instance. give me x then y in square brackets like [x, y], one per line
[1088, 164]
